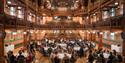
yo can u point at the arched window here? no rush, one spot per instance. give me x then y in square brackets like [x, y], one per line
[112, 12]
[12, 11]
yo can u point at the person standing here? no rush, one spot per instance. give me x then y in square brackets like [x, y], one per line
[90, 58]
[106, 55]
[110, 59]
[120, 59]
[81, 52]
[12, 58]
[20, 58]
[56, 59]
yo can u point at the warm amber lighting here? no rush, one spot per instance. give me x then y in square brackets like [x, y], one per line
[116, 3]
[24, 32]
[9, 2]
[14, 33]
[101, 32]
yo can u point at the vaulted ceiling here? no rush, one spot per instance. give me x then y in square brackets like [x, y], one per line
[71, 6]
[63, 3]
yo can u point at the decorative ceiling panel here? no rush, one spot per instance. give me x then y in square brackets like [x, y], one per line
[63, 3]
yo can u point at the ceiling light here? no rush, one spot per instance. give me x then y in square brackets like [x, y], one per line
[101, 32]
[69, 17]
[77, 1]
[94, 14]
[19, 7]
[93, 31]
[24, 32]
[116, 3]
[14, 33]
[9, 2]
[89, 32]
[31, 31]
[19, 31]
[112, 33]
[44, 14]
[43, 32]
[8, 31]
[47, 0]
[82, 31]
[80, 40]
[87, 17]
[70, 31]
[55, 17]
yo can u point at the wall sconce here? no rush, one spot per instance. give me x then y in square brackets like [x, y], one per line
[101, 32]
[116, 3]
[9, 2]
[14, 33]
[24, 32]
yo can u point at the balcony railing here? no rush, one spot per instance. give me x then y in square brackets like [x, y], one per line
[99, 5]
[113, 22]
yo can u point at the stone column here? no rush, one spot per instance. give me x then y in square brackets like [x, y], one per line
[25, 33]
[100, 12]
[90, 36]
[1, 7]
[124, 7]
[2, 31]
[2, 36]
[123, 44]
[93, 37]
[124, 51]
[36, 36]
[85, 35]
[123, 33]
[25, 36]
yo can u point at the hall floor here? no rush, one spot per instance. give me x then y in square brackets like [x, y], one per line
[41, 59]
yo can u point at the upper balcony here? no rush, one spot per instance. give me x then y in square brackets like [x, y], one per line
[16, 15]
[96, 5]
[109, 16]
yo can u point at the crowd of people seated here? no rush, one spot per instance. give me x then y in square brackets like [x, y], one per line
[104, 56]
[23, 56]
[66, 51]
